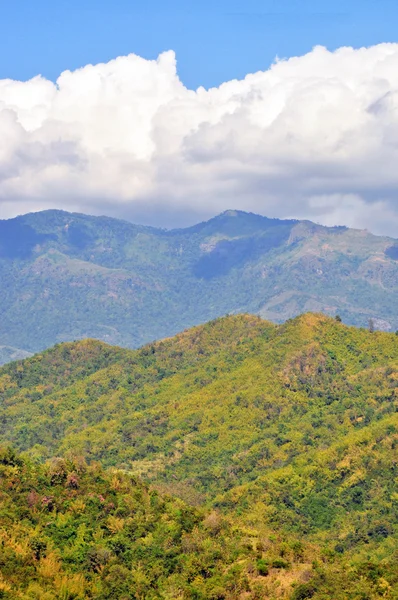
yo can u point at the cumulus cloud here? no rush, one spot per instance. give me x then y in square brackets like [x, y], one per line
[314, 136]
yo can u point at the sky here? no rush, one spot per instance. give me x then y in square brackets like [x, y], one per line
[169, 112]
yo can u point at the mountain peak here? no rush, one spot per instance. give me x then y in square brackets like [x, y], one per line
[234, 213]
[237, 223]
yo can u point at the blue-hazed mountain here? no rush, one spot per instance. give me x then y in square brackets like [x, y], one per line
[69, 276]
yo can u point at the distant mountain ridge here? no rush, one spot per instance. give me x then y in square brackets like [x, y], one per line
[68, 276]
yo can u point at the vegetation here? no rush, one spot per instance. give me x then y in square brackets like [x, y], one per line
[277, 442]
[125, 284]
[69, 531]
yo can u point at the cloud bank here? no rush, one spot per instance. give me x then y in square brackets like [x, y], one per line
[312, 137]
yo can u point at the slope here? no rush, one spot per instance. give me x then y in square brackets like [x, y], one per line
[72, 531]
[70, 276]
[220, 403]
[290, 431]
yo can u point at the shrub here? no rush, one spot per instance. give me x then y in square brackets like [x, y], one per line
[280, 563]
[303, 591]
[262, 567]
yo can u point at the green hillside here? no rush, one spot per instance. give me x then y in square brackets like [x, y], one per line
[287, 432]
[71, 531]
[70, 276]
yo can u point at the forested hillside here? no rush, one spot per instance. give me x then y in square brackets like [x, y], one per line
[68, 531]
[70, 276]
[285, 436]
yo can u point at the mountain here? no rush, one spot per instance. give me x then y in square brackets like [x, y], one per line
[8, 354]
[70, 276]
[288, 432]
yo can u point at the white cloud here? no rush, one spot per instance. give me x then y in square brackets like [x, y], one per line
[313, 137]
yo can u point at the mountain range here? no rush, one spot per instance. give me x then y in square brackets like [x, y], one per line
[269, 452]
[71, 276]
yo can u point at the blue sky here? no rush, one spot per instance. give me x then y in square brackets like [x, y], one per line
[314, 136]
[215, 41]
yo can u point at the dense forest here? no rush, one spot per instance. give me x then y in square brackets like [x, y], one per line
[69, 530]
[239, 459]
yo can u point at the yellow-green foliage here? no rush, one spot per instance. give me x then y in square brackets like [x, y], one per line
[216, 406]
[290, 432]
[72, 531]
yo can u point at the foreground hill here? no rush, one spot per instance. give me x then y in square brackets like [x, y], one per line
[290, 431]
[69, 531]
[70, 276]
